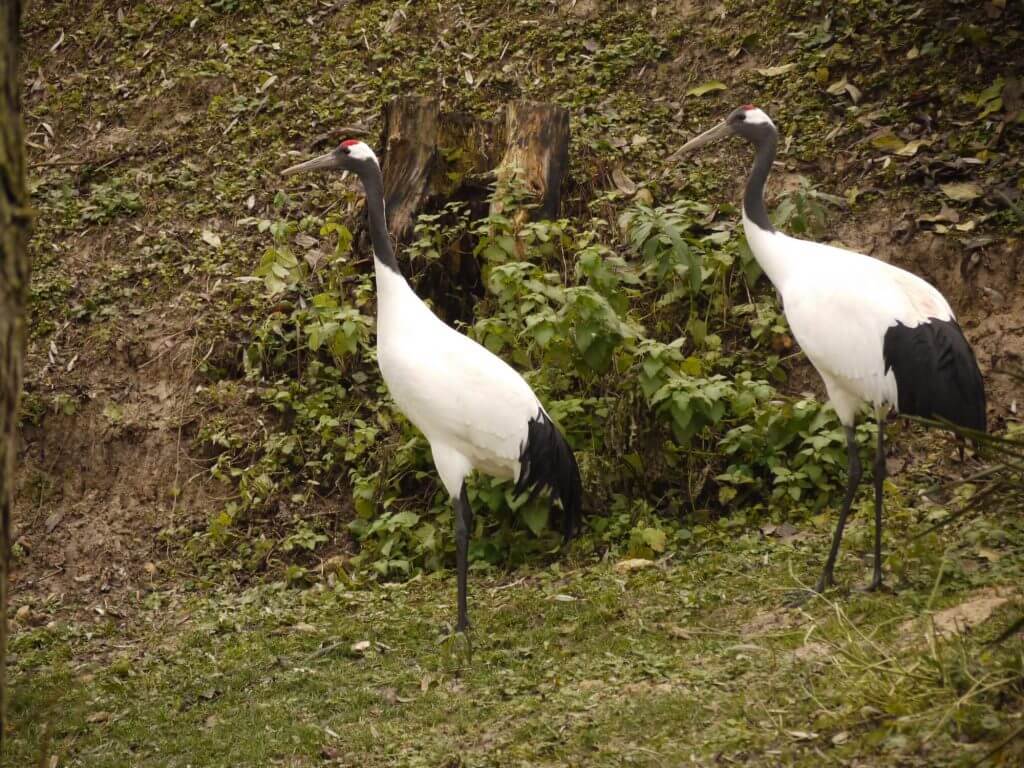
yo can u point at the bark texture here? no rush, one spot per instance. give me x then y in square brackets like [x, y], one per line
[536, 156]
[431, 157]
[14, 273]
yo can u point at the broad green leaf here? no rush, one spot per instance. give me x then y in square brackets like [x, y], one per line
[535, 515]
[404, 519]
[709, 87]
[654, 538]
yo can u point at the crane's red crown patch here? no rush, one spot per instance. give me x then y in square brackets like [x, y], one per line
[349, 142]
[748, 107]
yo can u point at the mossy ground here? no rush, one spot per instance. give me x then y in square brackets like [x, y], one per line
[695, 659]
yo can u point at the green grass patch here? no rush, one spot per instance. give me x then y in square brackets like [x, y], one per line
[691, 659]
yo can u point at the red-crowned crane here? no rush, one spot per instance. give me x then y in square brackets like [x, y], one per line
[877, 334]
[476, 412]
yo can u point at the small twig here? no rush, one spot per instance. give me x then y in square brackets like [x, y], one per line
[960, 481]
[971, 506]
[508, 586]
[46, 576]
[73, 163]
[1010, 204]
[325, 650]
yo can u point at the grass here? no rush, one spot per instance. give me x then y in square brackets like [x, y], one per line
[693, 659]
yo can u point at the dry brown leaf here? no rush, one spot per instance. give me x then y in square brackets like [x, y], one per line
[968, 614]
[776, 71]
[633, 564]
[622, 182]
[961, 191]
[911, 147]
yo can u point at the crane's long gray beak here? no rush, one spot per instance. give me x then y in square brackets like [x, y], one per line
[326, 162]
[720, 131]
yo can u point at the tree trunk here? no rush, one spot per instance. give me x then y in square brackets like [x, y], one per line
[536, 157]
[14, 273]
[429, 156]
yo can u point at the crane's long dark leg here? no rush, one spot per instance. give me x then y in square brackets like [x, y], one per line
[876, 580]
[463, 523]
[853, 464]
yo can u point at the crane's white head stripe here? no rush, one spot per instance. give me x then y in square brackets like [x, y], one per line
[754, 116]
[359, 151]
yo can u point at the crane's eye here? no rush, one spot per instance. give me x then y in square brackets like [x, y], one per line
[344, 150]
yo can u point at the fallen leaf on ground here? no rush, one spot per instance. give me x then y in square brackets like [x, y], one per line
[910, 148]
[887, 141]
[961, 191]
[633, 564]
[946, 215]
[622, 182]
[966, 615]
[776, 71]
[802, 735]
[700, 90]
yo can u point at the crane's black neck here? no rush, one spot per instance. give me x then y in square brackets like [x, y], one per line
[373, 186]
[753, 197]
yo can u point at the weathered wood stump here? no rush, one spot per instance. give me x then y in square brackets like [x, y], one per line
[431, 158]
[536, 157]
[428, 155]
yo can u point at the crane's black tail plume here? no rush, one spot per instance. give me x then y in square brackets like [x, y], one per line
[936, 373]
[547, 461]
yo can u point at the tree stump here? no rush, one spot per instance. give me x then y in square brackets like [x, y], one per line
[536, 157]
[427, 157]
[431, 158]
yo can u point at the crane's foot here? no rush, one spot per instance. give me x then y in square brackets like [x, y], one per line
[457, 646]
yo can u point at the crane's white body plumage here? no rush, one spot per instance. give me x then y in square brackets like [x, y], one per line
[839, 305]
[876, 334]
[476, 412]
[472, 407]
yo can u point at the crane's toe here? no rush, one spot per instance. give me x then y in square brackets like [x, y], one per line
[457, 645]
